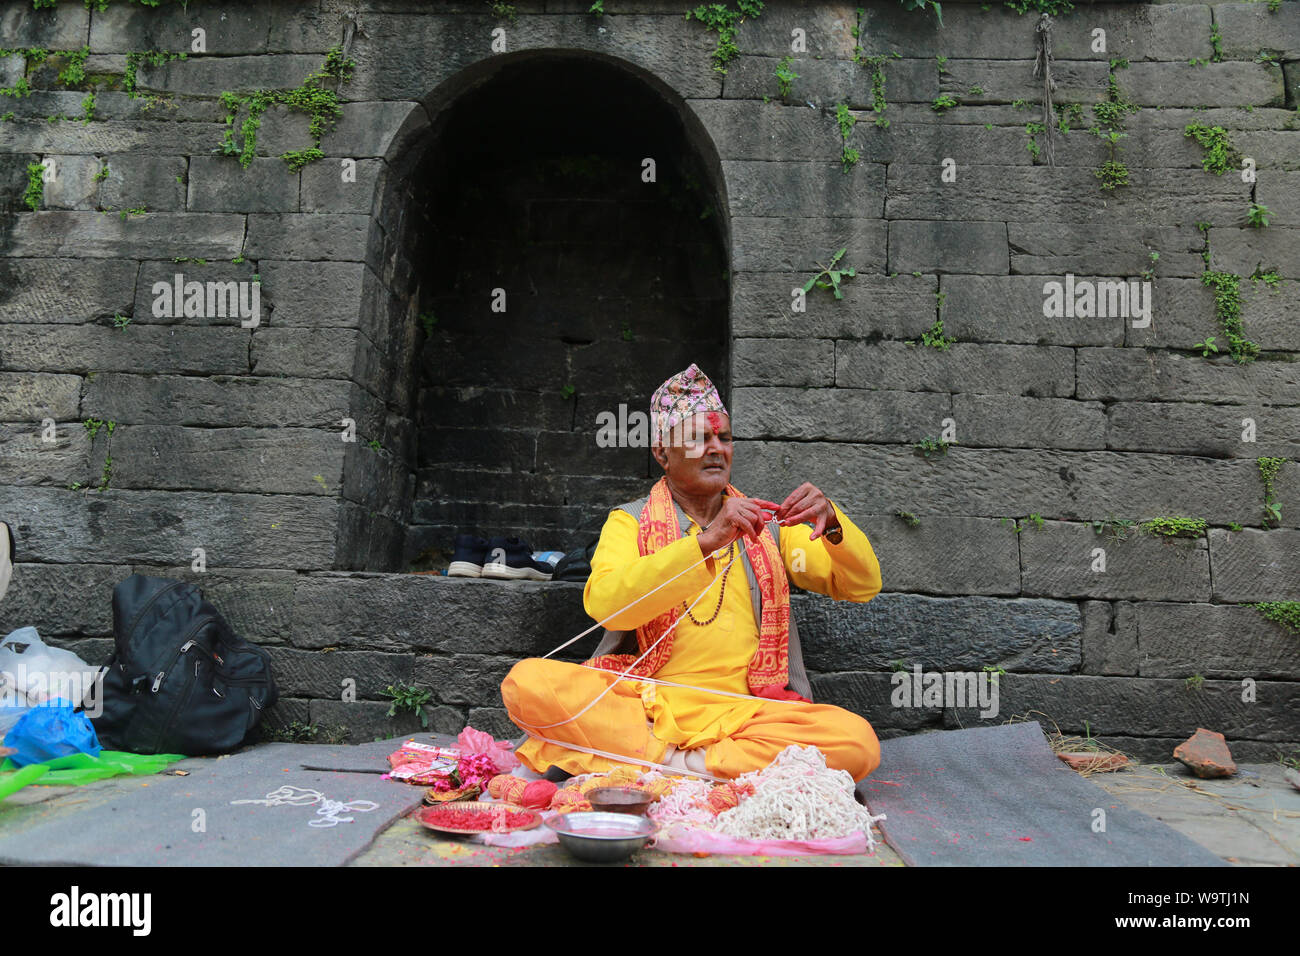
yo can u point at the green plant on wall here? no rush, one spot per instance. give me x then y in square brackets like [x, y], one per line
[846, 120]
[1109, 116]
[1268, 469]
[407, 698]
[312, 97]
[1257, 216]
[1227, 309]
[1220, 155]
[722, 19]
[785, 76]
[1285, 613]
[833, 276]
[1053, 8]
[1175, 526]
[35, 192]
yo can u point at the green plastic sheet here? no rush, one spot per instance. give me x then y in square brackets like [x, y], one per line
[76, 769]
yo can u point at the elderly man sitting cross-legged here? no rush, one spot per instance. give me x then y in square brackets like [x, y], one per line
[727, 708]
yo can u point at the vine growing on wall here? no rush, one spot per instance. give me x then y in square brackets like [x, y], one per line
[312, 98]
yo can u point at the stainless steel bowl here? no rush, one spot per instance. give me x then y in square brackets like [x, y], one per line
[602, 837]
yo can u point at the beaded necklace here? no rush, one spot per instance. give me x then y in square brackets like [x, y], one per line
[731, 548]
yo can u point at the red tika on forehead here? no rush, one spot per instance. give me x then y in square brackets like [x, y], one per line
[715, 421]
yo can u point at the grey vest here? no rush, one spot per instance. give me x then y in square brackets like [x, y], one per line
[624, 642]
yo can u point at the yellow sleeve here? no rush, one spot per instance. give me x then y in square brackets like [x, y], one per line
[847, 571]
[620, 575]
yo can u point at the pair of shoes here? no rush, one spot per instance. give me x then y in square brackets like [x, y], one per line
[503, 558]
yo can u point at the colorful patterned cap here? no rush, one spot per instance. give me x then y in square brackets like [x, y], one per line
[686, 394]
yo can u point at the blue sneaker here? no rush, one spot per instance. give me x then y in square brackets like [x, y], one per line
[512, 559]
[468, 558]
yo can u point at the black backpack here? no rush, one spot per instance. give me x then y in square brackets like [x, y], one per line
[180, 681]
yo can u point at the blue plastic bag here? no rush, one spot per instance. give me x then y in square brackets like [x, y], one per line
[50, 731]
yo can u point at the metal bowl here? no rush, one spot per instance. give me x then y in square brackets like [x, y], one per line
[620, 800]
[602, 837]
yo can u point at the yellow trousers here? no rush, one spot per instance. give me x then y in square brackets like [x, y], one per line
[539, 692]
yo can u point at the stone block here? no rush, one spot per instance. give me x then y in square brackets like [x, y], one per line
[1213, 640]
[946, 247]
[1165, 708]
[236, 530]
[242, 27]
[113, 140]
[429, 613]
[322, 674]
[940, 633]
[790, 245]
[221, 184]
[30, 397]
[1010, 308]
[1051, 249]
[464, 679]
[1061, 559]
[943, 555]
[1055, 483]
[155, 183]
[74, 185]
[103, 236]
[94, 348]
[873, 306]
[65, 290]
[1254, 565]
[1209, 84]
[27, 459]
[334, 237]
[833, 414]
[325, 190]
[204, 76]
[298, 461]
[1244, 250]
[1248, 28]
[1194, 428]
[992, 369]
[230, 401]
[804, 189]
[1183, 314]
[1109, 639]
[994, 193]
[221, 303]
[1007, 421]
[798, 362]
[38, 597]
[57, 28]
[1148, 374]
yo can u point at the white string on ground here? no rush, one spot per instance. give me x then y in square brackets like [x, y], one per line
[797, 797]
[328, 811]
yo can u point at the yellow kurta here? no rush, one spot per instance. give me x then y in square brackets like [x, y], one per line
[715, 655]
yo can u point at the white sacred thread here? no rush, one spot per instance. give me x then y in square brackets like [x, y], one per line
[796, 797]
[328, 811]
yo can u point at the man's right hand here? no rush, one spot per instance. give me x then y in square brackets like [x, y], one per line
[739, 516]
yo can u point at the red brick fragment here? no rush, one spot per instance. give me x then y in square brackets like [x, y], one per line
[1094, 762]
[1206, 754]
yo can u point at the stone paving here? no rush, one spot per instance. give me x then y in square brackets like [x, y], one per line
[1252, 819]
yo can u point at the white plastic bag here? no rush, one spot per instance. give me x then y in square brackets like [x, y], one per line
[32, 673]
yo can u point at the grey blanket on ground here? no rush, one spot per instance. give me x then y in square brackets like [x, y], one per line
[191, 820]
[999, 796]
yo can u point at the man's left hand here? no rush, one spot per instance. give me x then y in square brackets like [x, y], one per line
[807, 503]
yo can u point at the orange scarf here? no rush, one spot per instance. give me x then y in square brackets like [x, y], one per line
[769, 667]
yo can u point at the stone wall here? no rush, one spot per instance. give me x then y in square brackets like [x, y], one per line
[229, 439]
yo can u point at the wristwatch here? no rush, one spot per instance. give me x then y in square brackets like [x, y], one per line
[834, 535]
